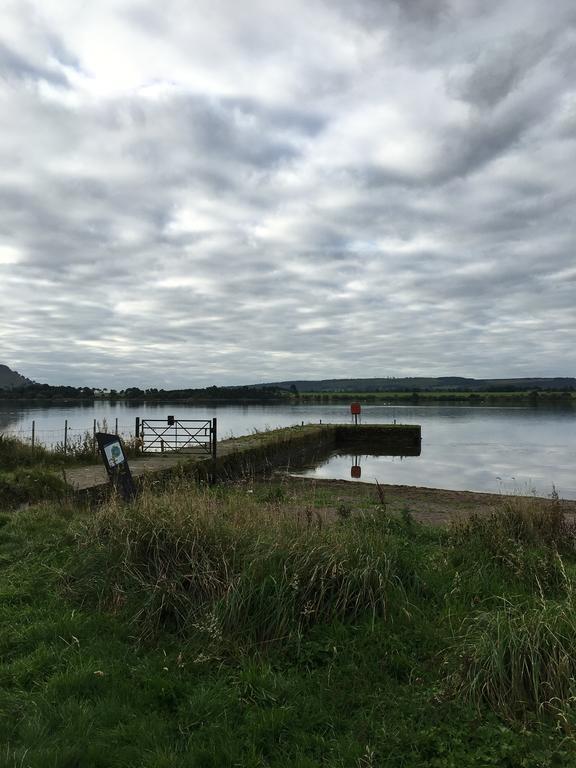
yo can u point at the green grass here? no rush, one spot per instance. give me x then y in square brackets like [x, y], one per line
[28, 474]
[217, 627]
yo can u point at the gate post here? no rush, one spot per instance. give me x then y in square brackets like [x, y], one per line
[214, 438]
[137, 433]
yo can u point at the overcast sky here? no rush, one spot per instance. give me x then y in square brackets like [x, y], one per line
[201, 192]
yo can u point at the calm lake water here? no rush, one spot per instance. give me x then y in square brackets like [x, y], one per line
[498, 449]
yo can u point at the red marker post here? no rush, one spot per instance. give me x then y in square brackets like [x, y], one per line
[355, 410]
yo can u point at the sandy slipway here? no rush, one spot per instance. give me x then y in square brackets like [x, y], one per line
[435, 506]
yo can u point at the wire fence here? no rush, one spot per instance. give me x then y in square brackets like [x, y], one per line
[69, 437]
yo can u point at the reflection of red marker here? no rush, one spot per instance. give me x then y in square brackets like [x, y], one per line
[356, 472]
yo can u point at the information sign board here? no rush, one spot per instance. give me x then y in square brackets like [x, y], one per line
[116, 463]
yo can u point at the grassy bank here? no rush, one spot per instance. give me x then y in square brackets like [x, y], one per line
[239, 626]
[31, 474]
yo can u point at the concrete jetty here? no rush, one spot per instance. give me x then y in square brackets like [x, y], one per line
[288, 446]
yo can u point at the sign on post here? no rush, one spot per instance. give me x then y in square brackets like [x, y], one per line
[355, 410]
[116, 463]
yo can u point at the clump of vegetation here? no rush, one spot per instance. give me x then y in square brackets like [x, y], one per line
[520, 658]
[521, 521]
[517, 652]
[193, 560]
[15, 454]
[83, 449]
[29, 485]
[521, 543]
[27, 474]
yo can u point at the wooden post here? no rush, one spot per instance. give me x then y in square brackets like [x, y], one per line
[94, 445]
[33, 432]
[65, 437]
[137, 432]
[214, 438]
[116, 426]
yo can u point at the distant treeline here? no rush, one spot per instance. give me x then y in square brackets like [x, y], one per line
[269, 393]
[210, 394]
[46, 392]
[533, 397]
[427, 384]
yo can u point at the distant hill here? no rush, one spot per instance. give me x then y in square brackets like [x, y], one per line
[423, 384]
[10, 379]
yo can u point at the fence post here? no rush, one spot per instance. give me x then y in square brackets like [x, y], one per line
[65, 437]
[33, 432]
[214, 437]
[137, 432]
[116, 427]
[94, 446]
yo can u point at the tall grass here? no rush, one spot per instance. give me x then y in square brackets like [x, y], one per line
[517, 653]
[224, 565]
[26, 475]
[521, 658]
[524, 521]
[14, 454]
[522, 541]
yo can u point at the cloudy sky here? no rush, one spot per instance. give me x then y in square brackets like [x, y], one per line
[204, 192]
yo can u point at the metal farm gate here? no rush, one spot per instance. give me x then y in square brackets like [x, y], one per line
[194, 436]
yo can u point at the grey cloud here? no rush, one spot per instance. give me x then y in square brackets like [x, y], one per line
[239, 227]
[379, 13]
[14, 66]
[500, 69]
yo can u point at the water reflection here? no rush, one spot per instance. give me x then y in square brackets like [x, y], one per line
[523, 474]
[356, 469]
[11, 416]
[358, 461]
[339, 464]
